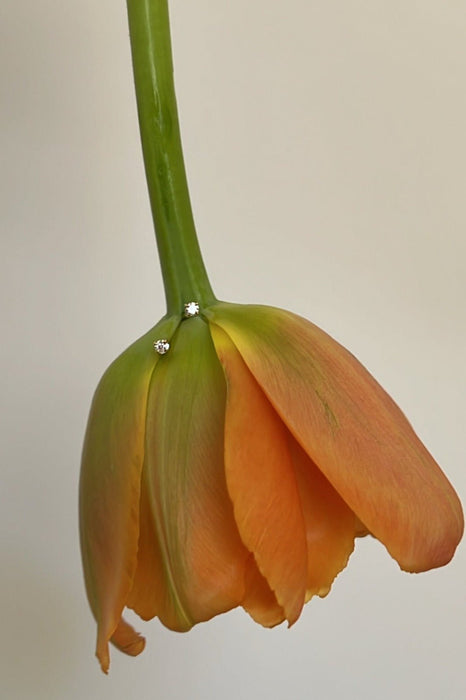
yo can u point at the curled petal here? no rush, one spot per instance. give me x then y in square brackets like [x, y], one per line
[202, 555]
[261, 482]
[112, 461]
[126, 639]
[352, 430]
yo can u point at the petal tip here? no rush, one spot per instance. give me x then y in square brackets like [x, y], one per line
[135, 646]
[104, 658]
[125, 638]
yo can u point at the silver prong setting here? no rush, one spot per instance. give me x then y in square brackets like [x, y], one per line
[191, 308]
[161, 346]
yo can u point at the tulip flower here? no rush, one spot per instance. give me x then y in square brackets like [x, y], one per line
[234, 453]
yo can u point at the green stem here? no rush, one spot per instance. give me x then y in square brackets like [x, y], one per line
[184, 274]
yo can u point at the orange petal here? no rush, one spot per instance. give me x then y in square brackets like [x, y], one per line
[259, 600]
[110, 484]
[330, 525]
[148, 592]
[261, 482]
[352, 430]
[125, 638]
[203, 557]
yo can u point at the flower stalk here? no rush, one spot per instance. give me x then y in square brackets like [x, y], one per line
[183, 270]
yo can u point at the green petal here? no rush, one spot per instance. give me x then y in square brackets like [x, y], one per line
[202, 554]
[111, 469]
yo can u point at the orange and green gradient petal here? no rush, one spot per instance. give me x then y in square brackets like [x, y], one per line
[352, 430]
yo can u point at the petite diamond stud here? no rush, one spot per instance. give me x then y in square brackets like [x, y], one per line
[191, 309]
[161, 346]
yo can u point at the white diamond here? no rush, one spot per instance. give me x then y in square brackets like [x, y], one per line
[191, 309]
[162, 346]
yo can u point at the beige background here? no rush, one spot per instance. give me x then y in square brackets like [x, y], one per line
[326, 150]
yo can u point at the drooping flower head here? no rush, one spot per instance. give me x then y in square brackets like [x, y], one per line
[238, 467]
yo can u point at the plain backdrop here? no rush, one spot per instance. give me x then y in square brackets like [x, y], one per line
[326, 151]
